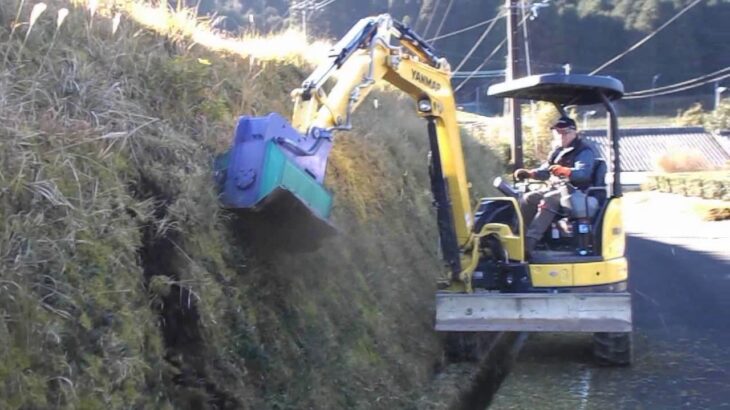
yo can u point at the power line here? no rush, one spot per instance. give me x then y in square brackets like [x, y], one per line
[689, 87]
[453, 55]
[473, 73]
[478, 74]
[476, 45]
[311, 5]
[647, 38]
[683, 83]
[443, 19]
[496, 49]
[683, 86]
[324, 4]
[459, 31]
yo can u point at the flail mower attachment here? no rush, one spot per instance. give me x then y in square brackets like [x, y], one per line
[273, 176]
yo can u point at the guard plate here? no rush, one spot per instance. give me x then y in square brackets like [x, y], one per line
[533, 312]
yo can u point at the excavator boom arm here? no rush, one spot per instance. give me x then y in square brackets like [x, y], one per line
[271, 156]
[380, 48]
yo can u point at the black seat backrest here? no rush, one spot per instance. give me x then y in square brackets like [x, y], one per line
[598, 180]
[600, 169]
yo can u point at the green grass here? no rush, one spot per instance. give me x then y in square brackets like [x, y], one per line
[122, 283]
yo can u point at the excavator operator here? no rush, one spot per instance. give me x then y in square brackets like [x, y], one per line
[572, 160]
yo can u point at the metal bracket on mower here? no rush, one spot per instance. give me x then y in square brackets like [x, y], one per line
[533, 312]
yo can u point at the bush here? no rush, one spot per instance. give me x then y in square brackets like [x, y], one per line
[694, 115]
[719, 119]
[682, 161]
[536, 121]
[713, 187]
[708, 185]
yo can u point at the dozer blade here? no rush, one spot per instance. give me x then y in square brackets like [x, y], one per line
[533, 312]
[273, 176]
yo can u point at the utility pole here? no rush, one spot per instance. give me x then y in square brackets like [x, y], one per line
[514, 72]
[304, 17]
[304, 21]
[718, 94]
[303, 6]
[651, 99]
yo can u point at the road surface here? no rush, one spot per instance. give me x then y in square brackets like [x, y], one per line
[680, 281]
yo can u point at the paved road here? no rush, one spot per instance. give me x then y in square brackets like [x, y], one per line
[680, 282]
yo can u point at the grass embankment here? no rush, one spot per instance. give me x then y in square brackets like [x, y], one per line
[712, 186]
[122, 283]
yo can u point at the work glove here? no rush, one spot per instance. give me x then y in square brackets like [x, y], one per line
[522, 173]
[560, 171]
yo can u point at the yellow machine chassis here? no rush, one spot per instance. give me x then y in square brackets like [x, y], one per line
[579, 274]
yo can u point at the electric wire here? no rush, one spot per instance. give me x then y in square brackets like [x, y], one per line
[476, 45]
[497, 48]
[631, 96]
[473, 73]
[647, 38]
[479, 74]
[683, 83]
[324, 4]
[443, 19]
[461, 30]
[689, 87]
[310, 4]
[299, 5]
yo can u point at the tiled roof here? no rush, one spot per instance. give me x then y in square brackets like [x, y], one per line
[641, 147]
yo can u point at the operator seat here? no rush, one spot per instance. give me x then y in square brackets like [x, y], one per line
[598, 182]
[595, 197]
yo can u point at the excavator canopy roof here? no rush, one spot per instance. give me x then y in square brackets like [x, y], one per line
[563, 89]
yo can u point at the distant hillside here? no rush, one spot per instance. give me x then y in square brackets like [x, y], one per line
[584, 33]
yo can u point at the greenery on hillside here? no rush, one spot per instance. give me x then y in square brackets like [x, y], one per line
[584, 33]
[122, 283]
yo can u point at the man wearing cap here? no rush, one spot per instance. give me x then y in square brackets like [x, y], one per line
[574, 160]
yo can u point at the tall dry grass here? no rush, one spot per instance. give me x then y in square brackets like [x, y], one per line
[107, 135]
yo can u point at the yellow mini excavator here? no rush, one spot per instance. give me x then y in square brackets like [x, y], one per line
[574, 283]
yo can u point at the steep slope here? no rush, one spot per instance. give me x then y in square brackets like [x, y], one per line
[122, 283]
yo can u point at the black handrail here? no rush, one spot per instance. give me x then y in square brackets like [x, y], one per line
[614, 138]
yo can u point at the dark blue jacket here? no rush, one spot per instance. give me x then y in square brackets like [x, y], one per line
[578, 156]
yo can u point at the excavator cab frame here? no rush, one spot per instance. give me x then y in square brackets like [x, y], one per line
[565, 90]
[566, 293]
